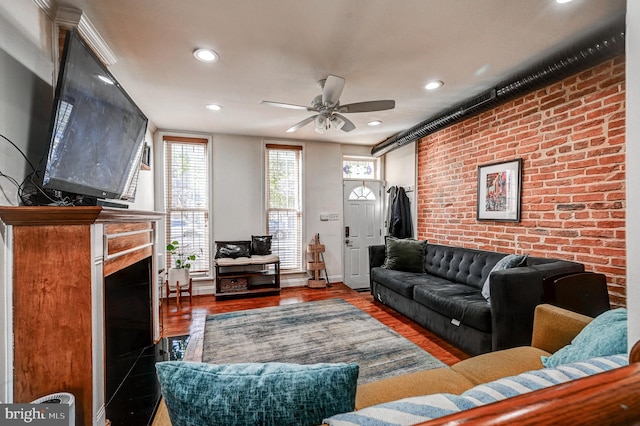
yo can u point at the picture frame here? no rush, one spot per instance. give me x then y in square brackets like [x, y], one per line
[500, 191]
[146, 157]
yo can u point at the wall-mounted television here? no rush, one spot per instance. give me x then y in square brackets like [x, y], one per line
[97, 132]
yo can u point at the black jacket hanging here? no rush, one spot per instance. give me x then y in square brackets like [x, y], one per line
[401, 226]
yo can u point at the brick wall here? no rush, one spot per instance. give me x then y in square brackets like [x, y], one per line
[571, 137]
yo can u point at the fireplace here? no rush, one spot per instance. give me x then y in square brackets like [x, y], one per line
[131, 387]
[86, 311]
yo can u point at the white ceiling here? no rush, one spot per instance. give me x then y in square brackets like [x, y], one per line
[277, 50]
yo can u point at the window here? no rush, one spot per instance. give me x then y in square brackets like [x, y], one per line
[358, 168]
[187, 198]
[284, 203]
[362, 193]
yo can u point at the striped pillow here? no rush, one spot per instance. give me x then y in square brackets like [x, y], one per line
[410, 411]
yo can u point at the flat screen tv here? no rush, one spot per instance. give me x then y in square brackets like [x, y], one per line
[97, 131]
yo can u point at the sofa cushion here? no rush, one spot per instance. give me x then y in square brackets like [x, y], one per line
[460, 265]
[495, 365]
[404, 254]
[538, 379]
[459, 302]
[424, 382]
[410, 411]
[605, 335]
[400, 282]
[249, 394]
[507, 262]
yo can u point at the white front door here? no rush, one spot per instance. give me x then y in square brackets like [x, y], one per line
[362, 201]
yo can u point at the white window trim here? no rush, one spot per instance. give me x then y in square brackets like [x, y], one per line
[159, 196]
[303, 236]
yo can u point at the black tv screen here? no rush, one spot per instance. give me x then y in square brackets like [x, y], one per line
[97, 131]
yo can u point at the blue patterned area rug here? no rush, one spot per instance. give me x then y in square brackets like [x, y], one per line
[313, 332]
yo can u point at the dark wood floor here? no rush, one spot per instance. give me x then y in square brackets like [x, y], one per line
[190, 319]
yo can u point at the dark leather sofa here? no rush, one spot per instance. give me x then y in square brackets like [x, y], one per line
[447, 297]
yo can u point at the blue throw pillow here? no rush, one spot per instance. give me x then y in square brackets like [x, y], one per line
[605, 335]
[507, 262]
[199, 394]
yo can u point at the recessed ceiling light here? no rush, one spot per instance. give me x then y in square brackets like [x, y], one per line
[374, 123]
[433, 85]
[213, 107]
[205, 55]
[563, 1]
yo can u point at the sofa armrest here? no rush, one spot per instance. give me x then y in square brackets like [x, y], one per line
[376, 255]
[554, 327]
[515, 293]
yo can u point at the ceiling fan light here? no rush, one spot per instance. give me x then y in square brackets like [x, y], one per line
[321, 123]
[337, 122]
[432, 85]
[205, 55]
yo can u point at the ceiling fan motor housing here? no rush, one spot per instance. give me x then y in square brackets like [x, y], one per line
[328, 107]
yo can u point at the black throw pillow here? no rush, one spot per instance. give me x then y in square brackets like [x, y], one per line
[261, 244]
[233, 249]
[404, 254]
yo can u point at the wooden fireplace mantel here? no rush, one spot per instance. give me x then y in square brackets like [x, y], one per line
[81, 215]
[57, 259]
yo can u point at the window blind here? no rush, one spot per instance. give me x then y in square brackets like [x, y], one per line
[187, 199]
[284, 203]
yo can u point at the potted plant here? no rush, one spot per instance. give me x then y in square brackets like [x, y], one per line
[179, 272]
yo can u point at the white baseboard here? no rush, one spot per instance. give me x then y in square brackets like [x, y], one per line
[209, 287]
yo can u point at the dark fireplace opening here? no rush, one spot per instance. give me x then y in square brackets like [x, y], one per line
[132, 390]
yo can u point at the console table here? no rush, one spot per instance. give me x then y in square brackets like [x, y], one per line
[58, 259]
[247, 276]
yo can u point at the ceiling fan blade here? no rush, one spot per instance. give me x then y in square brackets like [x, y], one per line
[348, 125]
[332, 90]
[368, 106]
[288, 106]
[301, 124]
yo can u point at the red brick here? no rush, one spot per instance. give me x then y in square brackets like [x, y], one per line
[571, 136]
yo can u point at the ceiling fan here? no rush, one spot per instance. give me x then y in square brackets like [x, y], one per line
[328, 108]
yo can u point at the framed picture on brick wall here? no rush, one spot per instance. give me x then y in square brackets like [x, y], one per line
[499, 191]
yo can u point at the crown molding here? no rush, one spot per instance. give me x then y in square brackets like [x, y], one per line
[66, 17]
[69, 18]
[48, 7]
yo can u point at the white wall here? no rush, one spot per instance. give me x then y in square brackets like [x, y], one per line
[400, 169]
[323, 194]
[26, 73]
[633, 171]
[145, 196]
[238, 175]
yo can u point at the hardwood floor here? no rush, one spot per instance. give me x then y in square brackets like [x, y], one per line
[190, 319]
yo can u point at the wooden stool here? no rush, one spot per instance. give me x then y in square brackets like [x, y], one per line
[178, 290]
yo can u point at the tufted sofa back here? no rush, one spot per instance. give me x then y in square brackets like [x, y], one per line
[461, 265]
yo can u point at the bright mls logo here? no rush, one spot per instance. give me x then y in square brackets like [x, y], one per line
[34, 414]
